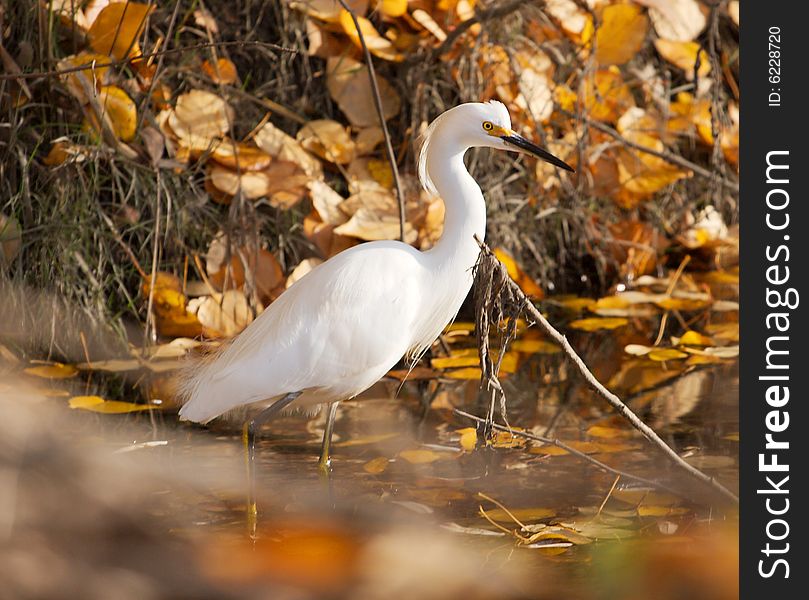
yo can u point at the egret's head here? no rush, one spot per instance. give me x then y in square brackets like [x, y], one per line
[494, 131]
[479, 124]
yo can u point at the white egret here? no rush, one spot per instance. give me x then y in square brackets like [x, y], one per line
[344, 325]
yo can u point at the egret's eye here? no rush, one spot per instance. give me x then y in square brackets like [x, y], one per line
[487, 126]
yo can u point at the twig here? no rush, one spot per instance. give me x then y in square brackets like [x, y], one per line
[597, 386]
[664, 154]
[383, 124]
[118, 62]
[570, 449]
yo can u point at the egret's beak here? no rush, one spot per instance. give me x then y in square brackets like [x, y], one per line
[520, 144]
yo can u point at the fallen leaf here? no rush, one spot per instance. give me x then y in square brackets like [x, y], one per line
[278, 144]
[327, 139]
[664, 354]
[377, 45]
[240, 156]
[681, 20]
[621, 34]
[52, 371]
[684, 56]
[469, 438]
[527, 285]
[349, 86]
[419, 457]
[225, 314]
[597, 324]
[303, 268]
[99, 405]
[199, 119]
[328, 10]
[85, 82]
[221, 71]
[10, 239]
[116, 29]
[121, 110]
[376, 466]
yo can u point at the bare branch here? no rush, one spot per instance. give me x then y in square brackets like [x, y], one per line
[597, 386]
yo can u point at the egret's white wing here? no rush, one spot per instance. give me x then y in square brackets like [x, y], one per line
[337, 330]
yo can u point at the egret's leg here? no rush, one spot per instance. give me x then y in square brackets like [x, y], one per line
[325, 460]
[249, 439]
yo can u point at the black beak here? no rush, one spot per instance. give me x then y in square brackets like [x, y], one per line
[523, 145]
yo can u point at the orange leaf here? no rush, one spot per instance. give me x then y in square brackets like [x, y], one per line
[117, 27]
[222, 71]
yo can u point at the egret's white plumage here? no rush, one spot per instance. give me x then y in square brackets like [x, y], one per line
[340, 328]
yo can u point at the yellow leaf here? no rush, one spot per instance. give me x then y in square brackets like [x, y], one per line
[664, 354]
[419, 457]
[116, 29]
[522, 514]
[661, 511]
[507, 439]
[694, 338]
[376, 466]
[52, 371]
[393, 8]
[684, 56]
[686, 304]
[470, 373]
[85, 401]
[575, 303]
[88, 80]
[527, 285]
[121, 110]
[377, 45]
[328, 10]
[109, 407]
[621, 34]
[596, 324]
[366, 440]
[535, 347]
[605, 95]
[240, 156]
[469, 438]
[608, 432]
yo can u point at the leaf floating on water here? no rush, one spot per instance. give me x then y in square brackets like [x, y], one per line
[524, 515]
[664, 354]
[52, 371]
[419, 457]
[601, 431]
[99, 405]
[366, 440]
[535, 347]
[597, 324]
[469, 438]
[693, 338]
[455, 528]
[376, 466]
[661, 511]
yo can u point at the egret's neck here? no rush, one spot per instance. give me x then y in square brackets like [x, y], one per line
[465, 209]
